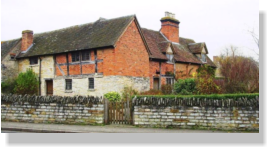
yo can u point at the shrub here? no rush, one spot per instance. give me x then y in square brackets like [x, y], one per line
[152, 92]
[241, 73]
[210, 96]
[27, 83]
[205, 80]
[166, 88]
[113, 96]
[8, 86]
[185, 86]
[128, 92]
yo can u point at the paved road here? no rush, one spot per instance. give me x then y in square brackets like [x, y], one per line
[15, 127]
[9, 131]
[55, 128]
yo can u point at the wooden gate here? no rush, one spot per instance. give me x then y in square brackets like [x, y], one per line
[120, 113]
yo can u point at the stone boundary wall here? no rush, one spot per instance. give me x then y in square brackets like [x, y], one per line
[52, 109]
[225, 114]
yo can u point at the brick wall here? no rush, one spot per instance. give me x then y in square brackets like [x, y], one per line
[183, 70]
[131, 56]
[171, 31]
[51, 111]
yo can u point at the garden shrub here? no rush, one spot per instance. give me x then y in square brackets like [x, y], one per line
[128, 92]
[27, 83]
[113, 96]
[205, 80]
[208, 96]
[167, 88]
[152, 92]
[8, 86]
[185, 86]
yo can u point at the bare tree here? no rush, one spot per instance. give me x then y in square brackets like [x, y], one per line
[241, 73]
[255, 38]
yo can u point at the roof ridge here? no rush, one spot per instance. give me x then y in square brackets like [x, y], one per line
[149, 29]
[10, 40]
[65, 28]
[186, 38]
[115, 18]
[37, 34]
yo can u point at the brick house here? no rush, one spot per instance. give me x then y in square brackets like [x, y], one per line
[106, 55]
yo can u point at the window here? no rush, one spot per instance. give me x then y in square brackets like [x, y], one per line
[68, 84]
[75, 56]
[91, 83]
[169, 81]
[170, 57]
[33, 60]
[12, 57]
[85, 55]
[203, 58]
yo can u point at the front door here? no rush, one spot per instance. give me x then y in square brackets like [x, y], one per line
[49, 87]
[156, 84]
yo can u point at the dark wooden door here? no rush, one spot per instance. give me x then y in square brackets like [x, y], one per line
[49, 87]
[156, 84]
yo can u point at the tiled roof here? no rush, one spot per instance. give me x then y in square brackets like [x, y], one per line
[105, 33]
[7, 46]
[182, 54]
[102, 33]
[163, 46]
[197, 47]
[153, 38]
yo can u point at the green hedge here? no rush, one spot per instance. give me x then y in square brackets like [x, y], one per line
[212, 96]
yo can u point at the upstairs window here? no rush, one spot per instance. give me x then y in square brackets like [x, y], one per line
[33, 60]
[203, 58]
[170, 57]
[68, 84]
[91, 83]
[75, 56]
[85, 56]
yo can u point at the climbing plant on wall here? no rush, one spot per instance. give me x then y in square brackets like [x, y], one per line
[205, 80]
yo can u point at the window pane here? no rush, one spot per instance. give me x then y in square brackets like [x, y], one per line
[203, 57]
[85, 55]
[170, 57]
[91, 83]
[68, 84]
[75, 56]
[33, 60]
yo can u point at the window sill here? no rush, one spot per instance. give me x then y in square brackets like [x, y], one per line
[170, 62]
[91, 90]
[98, 76]
[33, 65]
[68, 91]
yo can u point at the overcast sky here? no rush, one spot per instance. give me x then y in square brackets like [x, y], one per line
[218, 23]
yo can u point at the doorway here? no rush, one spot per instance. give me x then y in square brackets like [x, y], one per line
[49, 87]
[156, 84]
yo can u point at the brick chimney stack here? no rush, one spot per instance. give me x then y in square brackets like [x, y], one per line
[170, 27]
[27, 39]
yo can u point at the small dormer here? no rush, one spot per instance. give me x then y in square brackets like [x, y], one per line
[166, 49]
[170, 55]
[200, 50]
[12, 56]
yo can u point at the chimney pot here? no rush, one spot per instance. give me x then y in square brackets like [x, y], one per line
[170, 27]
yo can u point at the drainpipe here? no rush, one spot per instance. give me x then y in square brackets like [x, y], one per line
[174, 71]
[160, 76]
[40, 76]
